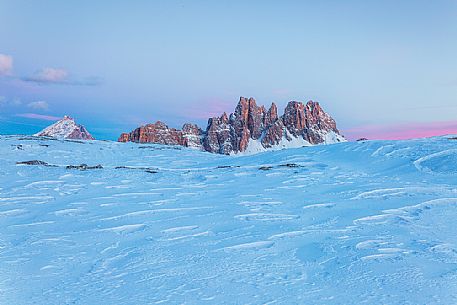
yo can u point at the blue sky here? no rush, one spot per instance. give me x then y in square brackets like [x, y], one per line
[114, 65]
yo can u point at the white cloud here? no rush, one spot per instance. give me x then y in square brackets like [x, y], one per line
[50, 75]
[60, 77]
[6, 64]
[39, 105]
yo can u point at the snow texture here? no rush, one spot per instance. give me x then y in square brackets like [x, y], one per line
[369, 222]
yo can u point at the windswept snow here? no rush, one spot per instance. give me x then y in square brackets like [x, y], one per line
[440, 162]
[368, 222]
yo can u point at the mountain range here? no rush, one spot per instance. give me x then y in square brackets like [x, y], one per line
[250, 128]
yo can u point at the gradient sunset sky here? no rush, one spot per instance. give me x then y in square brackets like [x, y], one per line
[383, 69]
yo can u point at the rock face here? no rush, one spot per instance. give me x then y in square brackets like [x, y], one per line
[274, 134]
[66, 128]
[155, 133]
[124, 137]
[160, 133]
[310, 122]
[218, 136]
[249, 128]
[192, 135]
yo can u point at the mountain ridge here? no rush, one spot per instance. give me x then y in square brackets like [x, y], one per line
[250, 128]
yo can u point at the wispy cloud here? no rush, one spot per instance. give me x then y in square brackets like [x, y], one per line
[46, 76]
[50, 75]
[39, 105]
[5, 102]
[37, 116]
[58, 76]
[6, 65]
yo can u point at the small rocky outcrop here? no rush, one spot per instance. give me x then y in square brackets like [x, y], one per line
[32, 162]
[83, 167]
[301, 124]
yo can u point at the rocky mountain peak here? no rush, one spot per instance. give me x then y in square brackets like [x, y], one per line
[158, 125]
[66, 128]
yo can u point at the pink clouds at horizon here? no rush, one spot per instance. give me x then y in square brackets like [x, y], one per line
[6, 64]
[208, 109]
[401, 131]
[37, 116]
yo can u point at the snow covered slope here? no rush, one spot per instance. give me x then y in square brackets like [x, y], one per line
[366, 222]
[66, 128]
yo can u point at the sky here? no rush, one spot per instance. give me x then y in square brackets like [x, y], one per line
[383, 69]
